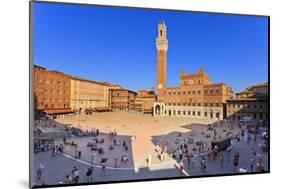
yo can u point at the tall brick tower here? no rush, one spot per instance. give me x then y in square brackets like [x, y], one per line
[162, 47]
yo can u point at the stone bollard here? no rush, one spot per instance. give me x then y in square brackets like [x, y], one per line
[149, 160]
[94, 159]
[76, 153]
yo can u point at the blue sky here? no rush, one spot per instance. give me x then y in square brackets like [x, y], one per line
[117, 45]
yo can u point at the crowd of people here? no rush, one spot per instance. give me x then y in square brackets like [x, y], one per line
[188, 150]
[76, 131]
[75, 177]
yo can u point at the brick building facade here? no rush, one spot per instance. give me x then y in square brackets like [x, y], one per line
[51, 91]
[122, 99]
[196, 96]
[144, 101]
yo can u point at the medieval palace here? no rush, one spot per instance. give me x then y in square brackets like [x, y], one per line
[196, 96]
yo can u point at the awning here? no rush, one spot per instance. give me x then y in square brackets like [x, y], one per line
[58, 111]
[100, 109]
[40, 138]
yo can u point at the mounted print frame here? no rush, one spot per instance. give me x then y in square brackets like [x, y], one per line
[127, 94]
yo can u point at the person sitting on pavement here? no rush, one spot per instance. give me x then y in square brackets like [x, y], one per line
[103, 160]
[124, 158]
[111, 147]
[94, 148]
[100, 151]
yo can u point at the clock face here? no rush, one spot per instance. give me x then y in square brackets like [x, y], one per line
[160, 86]
[190, 82]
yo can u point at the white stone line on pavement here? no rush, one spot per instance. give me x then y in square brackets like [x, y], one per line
[113, 168]
[155, 166]
[183, 171]
[164, 136]
[98, 166]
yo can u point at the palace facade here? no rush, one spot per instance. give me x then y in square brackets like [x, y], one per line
[251, 103]
[59, 93]
[51, 91]
[144, 101]
[88, 94]
[122, 99]
[196, 97]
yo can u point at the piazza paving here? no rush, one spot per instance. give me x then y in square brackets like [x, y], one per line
[141, 132]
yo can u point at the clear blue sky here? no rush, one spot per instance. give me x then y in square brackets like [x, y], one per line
[117, 45]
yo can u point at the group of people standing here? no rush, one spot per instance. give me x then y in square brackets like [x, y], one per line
[74, 178]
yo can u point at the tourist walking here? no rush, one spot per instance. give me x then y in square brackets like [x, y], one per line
[228, 152]
[68, 179]
[188, 156]
[89, 174]
[180, 154]
[252, 163]
[249, 138]
[116, 162]
[103, 169]
[221, 160]
[39, 171]
[203, 164]
[236, 161]
[76, 176]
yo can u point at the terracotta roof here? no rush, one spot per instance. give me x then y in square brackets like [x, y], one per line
[90, 81]
[247, 99]
[122, 89]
